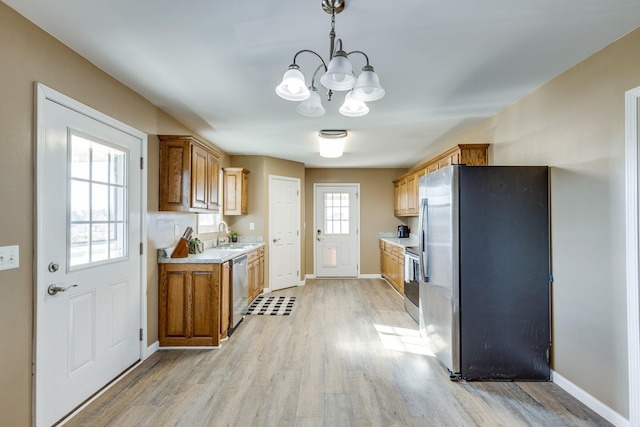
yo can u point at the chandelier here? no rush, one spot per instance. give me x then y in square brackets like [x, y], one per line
[338, 76]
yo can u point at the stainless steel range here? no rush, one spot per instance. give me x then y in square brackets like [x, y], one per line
[411, 282]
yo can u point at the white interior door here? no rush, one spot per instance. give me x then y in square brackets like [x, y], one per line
[337, 220]
[284, 232]
[88, 288]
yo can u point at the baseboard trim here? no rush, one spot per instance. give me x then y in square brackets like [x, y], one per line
[151, 349]
[594, 404]
[361, 276]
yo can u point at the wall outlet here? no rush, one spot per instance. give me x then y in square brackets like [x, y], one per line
[9, 257]
[176, 230]
[251, 226]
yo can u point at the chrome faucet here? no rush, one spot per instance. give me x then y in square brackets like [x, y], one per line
[226, 227]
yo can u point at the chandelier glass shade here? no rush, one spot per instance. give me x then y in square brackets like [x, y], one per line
[353, 107]
[312, 106]
[293, 87]
[338, 76]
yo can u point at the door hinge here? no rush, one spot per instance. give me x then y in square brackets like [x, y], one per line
[297, 192]
[141, 248]
[141, 333]
[141, 162]
[297, 232]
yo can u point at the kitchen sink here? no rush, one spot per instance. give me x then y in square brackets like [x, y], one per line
[236, 246]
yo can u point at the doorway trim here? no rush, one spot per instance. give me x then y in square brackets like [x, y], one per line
[42, 95]
[317, 185]
[632, 137]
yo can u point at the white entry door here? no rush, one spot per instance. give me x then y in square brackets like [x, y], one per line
[337, 220]
[284, 232]
[88, 309]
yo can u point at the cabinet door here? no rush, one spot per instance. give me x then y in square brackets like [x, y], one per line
[199, 178]
[412, 195]
[397, 203]
[189, 303]
[244, 204]
[236, 194]
[174, 185]
[213, 176]
[386, 265]
[260, 270]
[225, 301]
[232, 193]
[381, 245]
[400, 274]
[251, 276]
[394, 270]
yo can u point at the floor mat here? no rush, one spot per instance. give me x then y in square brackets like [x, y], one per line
[271, 306]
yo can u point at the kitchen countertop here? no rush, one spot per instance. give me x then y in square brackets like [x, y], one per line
[212, 255]
[403, 243]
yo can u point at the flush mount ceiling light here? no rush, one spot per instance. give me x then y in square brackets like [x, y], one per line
[332, 142]
[338, 76]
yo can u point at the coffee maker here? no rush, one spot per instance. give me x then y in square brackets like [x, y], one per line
[403, 232]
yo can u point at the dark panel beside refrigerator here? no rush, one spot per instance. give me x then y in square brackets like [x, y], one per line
[504, 273]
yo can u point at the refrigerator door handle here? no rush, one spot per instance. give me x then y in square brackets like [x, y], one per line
[423, 241]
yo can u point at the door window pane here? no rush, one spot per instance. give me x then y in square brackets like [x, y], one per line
[336, 213]
[97, 202]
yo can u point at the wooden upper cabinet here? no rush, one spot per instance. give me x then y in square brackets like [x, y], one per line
[407, 187]
[412, 195]
[236, 191]
[189, 175]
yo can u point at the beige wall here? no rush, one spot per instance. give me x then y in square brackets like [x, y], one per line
[29, 55]
[376, 210]
[261, 167]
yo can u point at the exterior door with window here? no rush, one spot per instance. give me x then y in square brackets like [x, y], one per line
[336, 230]
[88, 308]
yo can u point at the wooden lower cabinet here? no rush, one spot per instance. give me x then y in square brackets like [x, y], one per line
[193, 306]
[255, 266]
[392, 264]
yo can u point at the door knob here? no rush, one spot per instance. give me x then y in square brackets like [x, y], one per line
[275, 239]
[54, 289]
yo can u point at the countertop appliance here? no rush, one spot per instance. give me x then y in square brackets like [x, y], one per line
[239, 290]
[411, 282]
[403, 232]
[485, 271]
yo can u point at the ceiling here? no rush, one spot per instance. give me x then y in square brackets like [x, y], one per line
[445, 65]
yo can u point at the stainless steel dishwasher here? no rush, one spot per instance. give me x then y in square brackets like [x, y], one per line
[239, 290]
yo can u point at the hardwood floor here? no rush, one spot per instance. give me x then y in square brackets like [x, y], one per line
[349, 355]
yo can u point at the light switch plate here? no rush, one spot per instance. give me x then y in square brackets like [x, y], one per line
[9, 257]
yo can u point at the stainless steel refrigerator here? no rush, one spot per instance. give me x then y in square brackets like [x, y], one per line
[485, 271]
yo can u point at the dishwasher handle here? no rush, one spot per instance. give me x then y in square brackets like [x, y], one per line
[239, 260]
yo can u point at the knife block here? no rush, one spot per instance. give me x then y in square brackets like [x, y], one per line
[181, 250]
